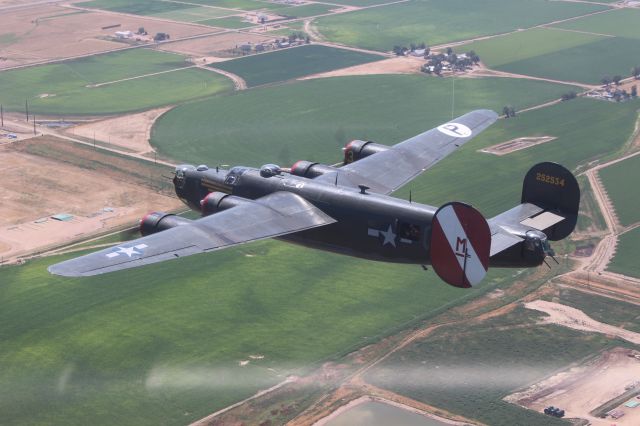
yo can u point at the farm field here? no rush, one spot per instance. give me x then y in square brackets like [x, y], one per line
[621, 182]
[315, 118]
[441, 21]
[560, 55]
[26, 34]
[618, 22]
[469, 369]
[625, 260]
[228, 22]
[361, 3]
[238, 4]
[106, 84]
[305, 10]
[287, 64]
[602, 309]
[162, 345]
[140, 7]
[195, 14]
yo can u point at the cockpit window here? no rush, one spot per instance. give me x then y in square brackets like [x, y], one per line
[233, 175]
[180, 178]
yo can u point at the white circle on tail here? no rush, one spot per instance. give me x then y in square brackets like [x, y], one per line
[460, 244]
[455, 130]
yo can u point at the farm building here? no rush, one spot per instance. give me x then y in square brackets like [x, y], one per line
[124, 34]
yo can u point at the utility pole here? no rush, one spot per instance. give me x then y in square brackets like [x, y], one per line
[26, 109]
[453, 93]
[1, 116]
[34, 125]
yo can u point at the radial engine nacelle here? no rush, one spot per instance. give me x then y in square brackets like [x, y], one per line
[216, 202]
[160, 221]
[310, 170]
[357, 150]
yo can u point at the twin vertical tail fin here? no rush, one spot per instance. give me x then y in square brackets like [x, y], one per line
[553, 188]
[460, 245]
[463, 243]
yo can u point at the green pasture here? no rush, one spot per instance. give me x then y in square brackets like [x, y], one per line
[524, 45]
[238, 4]
[362, 3]
[468, 370]
[70, 86]
[558, 54]
[290, 63]
[228, 22]
[616, 22]
[441, 21]
[603, 309]
[195, 14]
[304, 10]
[625, 261]
[137, 7]
[314, 119]
[621, 182]
[162, 344]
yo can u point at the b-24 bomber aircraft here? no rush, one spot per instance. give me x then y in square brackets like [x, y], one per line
[348, 210]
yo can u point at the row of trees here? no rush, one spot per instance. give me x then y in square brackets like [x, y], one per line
[456, 62]
[509, 111]
[403, 50]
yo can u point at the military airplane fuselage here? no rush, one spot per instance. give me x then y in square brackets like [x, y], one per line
[349, 210]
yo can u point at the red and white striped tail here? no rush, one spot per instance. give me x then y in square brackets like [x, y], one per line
[460, 244]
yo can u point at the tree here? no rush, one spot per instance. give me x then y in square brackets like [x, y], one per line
[616, 79]
[412, 47]
[606, 81]
[449, 51]
[141, 31]
[634, 91]
[427, 51]
[569, 95]
[635, 72]
[422, 46]
[512, 111]
[307, 40]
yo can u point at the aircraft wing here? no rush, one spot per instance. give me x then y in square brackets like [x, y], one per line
[386, 171]
[273, 215]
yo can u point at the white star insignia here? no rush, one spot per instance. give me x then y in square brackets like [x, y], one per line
[389, 236]
[129, 251]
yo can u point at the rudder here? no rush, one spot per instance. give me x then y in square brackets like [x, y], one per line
[555, 189]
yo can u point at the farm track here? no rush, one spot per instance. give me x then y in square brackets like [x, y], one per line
[238, 82]
[106, 83]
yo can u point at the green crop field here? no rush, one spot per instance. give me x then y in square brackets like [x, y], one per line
[558, 54]
[313, 119]
[287, 64]
[238, 4]
[440, 21]
[138, 7]
[362, 3]
[74, 87]
[603, 309]
[195, 14]
[228, 22]
[625, 260]
[305, 10]
[617, 22]
[621, 182]
[468, 370]
[523, 45]
[162, 344]
[180, 11]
